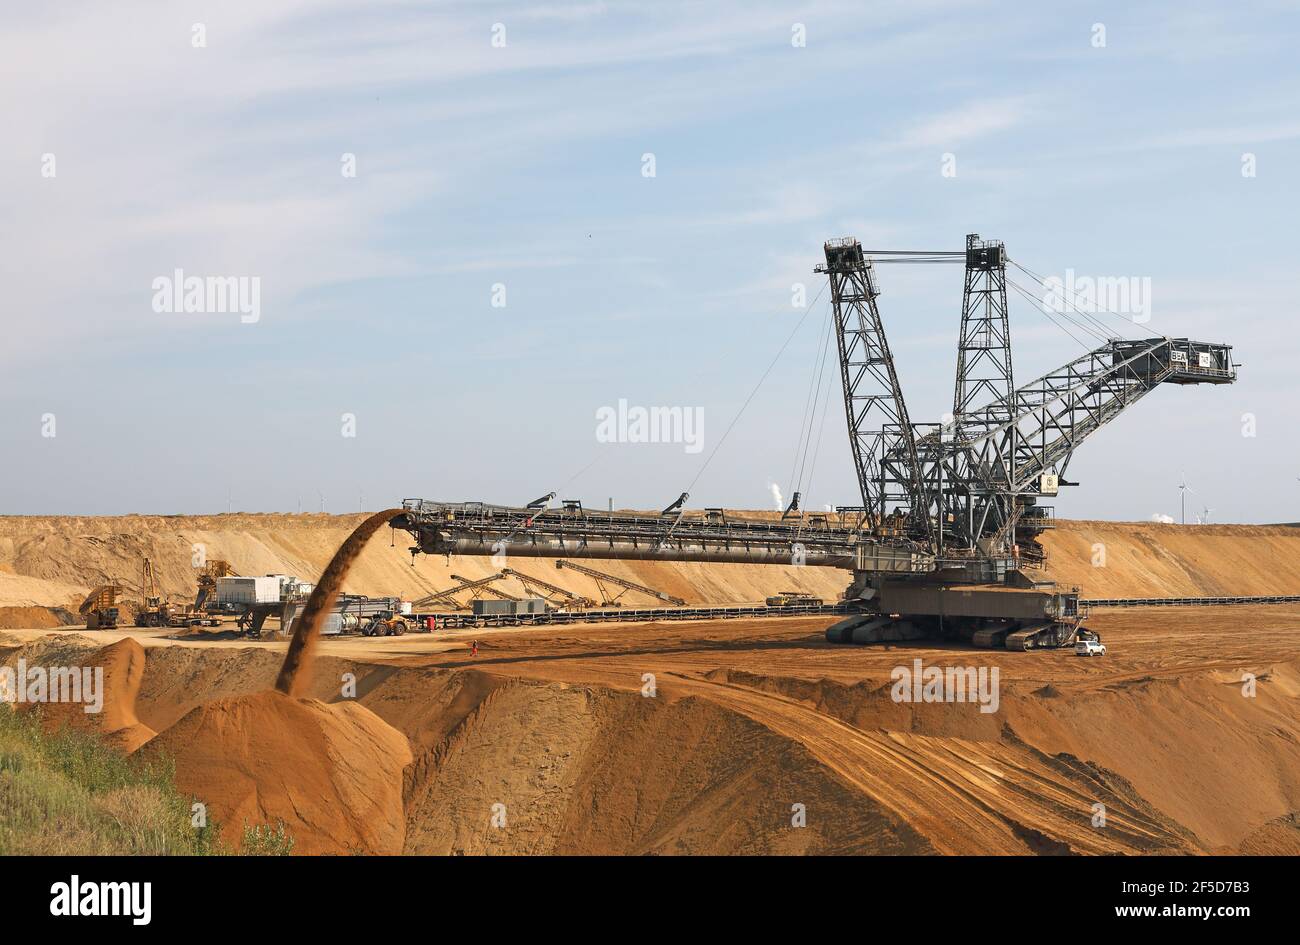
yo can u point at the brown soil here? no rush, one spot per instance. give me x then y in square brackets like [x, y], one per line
[545, 741]
[18, 618]
[1151, 560]
[331, 773]
[123, 664]
[48, 560]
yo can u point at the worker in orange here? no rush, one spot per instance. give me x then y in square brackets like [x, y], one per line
[473, 648]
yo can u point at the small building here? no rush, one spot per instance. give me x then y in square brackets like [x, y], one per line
[509, 608]
[243, 591]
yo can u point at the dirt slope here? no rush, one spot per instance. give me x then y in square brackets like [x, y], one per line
[123, 665]
[545, 741]
[1136, 559]
[331, 773]
[55, 560]
[749, 720]
[49, 560]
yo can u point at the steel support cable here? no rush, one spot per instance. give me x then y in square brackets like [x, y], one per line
[1097, 332]
[598, 458]
[1107, 331]
[1061, 323]
[1035, 303]
[753, 392]
[959, 253]
[1100, 337]
[826, 399]
[810, 401]
[1088, 326]
[915, 256]
[812, 419]
[1043, 282]
[524, 522]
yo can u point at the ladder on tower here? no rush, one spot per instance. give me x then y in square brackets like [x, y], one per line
[601, 579]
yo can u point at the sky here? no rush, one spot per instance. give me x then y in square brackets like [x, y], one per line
[474, 229]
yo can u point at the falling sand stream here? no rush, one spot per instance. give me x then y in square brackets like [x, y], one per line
[295, 674]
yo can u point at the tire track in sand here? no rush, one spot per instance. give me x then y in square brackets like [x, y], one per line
[965, 797]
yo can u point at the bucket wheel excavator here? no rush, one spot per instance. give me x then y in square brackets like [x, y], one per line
[944, 543]
[965, 493]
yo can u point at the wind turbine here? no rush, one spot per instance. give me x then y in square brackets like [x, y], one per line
[1204, 517]
[1183, 489]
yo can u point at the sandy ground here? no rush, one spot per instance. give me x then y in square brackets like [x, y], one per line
[751, 736]
[548, 741]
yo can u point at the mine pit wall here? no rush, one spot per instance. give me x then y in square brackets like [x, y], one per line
[52, 561]
[1139, 559]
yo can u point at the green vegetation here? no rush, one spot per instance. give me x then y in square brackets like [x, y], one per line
[71, 793]
[265, 840]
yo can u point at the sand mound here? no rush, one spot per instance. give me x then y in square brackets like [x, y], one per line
[179, 679]
[331, 772]
[28, 618]
[123, 665]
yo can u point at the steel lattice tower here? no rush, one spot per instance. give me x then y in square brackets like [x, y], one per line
[879, 427]
[984, 372]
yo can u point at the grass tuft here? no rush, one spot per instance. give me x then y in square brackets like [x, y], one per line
[71, 793]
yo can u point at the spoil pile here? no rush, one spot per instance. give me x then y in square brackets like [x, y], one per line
[123, 670]
[331, 773]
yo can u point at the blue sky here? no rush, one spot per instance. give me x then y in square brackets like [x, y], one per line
[522, 165]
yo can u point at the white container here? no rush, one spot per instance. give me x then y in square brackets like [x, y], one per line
[332, 625]
[248, 590]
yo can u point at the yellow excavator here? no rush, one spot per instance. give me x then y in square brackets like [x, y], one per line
[154, 612]
[157, 611]
[386, 624]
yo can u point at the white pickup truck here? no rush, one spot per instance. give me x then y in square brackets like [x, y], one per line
[1089, 648]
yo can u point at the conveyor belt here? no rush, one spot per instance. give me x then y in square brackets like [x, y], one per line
[1189, 601]
[455, 621]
